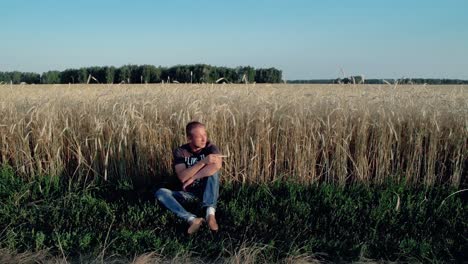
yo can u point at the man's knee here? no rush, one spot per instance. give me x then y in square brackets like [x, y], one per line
[161, 193]
[214, 177]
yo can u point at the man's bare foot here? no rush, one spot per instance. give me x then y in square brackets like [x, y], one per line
[195, 225]
[212, 224]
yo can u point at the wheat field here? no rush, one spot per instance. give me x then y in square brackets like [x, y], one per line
[270, 132]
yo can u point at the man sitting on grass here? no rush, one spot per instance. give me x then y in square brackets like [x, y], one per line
[196, 164]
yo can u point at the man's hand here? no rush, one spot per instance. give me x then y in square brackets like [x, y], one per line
[212, 159]
[187, 183]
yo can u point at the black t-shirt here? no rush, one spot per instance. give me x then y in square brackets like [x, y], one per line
[184, 155]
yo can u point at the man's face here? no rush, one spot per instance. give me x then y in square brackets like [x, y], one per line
[198, 137]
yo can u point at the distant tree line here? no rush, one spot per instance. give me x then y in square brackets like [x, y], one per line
[19, 77]
[199, 73]
[360, 79]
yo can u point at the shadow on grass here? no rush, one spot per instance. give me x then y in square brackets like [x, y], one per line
[284, 219]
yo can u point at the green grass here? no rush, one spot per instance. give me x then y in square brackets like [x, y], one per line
[339, 223]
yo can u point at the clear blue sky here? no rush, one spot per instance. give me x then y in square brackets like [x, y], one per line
[307, 39]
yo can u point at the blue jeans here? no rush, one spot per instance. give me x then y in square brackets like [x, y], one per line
[208, 192]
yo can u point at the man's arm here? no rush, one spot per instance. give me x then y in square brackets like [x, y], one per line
[184, 173]
[208, 170]
[213, 164]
